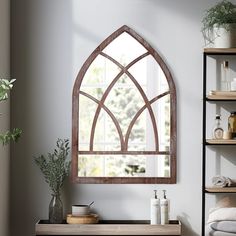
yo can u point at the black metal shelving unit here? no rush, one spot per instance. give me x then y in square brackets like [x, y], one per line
[211, 52]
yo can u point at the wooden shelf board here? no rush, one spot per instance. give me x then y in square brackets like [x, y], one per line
[220, 98]
[221, 190]
[221, 141]
[220, 50]
[108, 228]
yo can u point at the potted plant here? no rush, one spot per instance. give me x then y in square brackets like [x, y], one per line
[5, 87]
[219, 25]
[55, 168]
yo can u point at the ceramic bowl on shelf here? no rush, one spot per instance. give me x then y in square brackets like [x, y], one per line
[80, 210]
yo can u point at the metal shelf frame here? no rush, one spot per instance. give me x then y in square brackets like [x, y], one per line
[210, 52]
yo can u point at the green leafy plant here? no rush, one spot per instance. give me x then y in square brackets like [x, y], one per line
[14, 135]
[55, 167]
[221, 15]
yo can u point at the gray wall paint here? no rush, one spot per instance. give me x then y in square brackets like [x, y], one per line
[50, 41]
[5, 117]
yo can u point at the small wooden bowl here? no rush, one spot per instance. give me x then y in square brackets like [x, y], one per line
[85, 219]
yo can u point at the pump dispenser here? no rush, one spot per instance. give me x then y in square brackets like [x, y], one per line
[155, 210]
[164, 209]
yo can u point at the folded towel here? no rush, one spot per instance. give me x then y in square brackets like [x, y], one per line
[222, 181]
[211, 232]
[220, 214]
[225, 226]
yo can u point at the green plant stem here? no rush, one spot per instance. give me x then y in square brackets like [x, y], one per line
[14, 135]
[55, 166]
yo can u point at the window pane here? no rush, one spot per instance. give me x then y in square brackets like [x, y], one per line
[124, 49]
[124, 166]
[95, 92]
[149, 74]
[138, 135]
[106, 133]
[100, 72]
[85, 118]
[124, 102]
[162, 114]
[90, 166]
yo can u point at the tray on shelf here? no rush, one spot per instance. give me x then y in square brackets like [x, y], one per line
[114, 227]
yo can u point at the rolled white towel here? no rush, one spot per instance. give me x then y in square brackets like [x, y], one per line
[211, 232]
[228, 226]
[220, 214]
[222, 181]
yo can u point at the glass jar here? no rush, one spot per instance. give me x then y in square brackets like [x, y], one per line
[232, 124]
[225, 76]
[55, 210]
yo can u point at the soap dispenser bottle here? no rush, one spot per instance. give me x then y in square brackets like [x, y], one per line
[164, 209]
[155, 210]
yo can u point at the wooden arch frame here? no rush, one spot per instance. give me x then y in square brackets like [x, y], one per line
[124, 142]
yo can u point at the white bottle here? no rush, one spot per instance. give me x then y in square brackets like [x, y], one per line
[164, 209]
[155, 210]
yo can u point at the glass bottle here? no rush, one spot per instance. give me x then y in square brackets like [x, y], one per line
[217, 130]
[55, 209]
[232, 124]
[225, 76]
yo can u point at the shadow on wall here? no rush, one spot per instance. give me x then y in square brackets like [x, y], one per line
[67, 196]
[186, 226]
[175, 7]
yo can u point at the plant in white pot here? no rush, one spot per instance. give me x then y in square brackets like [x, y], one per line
[219, 25]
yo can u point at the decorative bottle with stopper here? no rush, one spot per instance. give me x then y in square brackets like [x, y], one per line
[217, 130]
[155, 210]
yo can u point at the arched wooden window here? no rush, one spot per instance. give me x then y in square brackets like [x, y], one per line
[124, 114]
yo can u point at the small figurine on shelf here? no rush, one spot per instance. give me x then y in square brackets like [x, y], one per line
[217, 130]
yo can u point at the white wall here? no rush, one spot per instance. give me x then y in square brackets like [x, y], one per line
[5, 117]
[50, 41]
